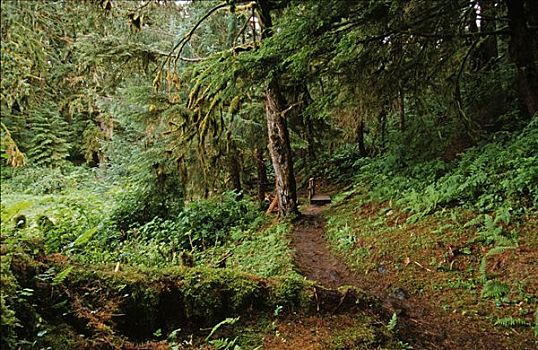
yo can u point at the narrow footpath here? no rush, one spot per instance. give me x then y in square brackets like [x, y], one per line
[419, 325]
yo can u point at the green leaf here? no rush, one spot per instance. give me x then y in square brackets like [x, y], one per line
[85, 237]
[228, 320]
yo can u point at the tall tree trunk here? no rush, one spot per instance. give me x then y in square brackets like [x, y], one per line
[277, 130]
[360, 138]
[262, 176]
[401, 109]
[522, 46]
[235, 171]
[280, 149]
[382, 128]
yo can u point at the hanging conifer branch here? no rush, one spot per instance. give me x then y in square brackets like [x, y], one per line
[15, 158]
[181, 44]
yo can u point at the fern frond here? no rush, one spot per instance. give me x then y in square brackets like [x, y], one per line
[473, 222]
[61, 276]
[503, 241]
[498, 250]
[494, 289]
[391, 326]
[511, 322]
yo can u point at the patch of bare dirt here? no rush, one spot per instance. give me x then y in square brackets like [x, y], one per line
[420, 322]
[326, 331]
[308, 333]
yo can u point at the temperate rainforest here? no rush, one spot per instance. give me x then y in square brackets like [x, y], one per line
[269, 174]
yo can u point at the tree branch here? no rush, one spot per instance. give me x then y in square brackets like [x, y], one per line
[181, 44]
[503, 31]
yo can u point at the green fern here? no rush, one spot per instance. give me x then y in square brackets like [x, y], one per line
[503, 214]
[498, 250]
[494, 289]
[391, 326]
[61, 276]
[511, 322]
[49, 146]
[473, 222]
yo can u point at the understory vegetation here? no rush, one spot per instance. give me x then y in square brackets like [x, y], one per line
[462, 232]
[158, 157]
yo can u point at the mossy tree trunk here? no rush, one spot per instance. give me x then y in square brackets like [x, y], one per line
[277, 131]
[235, 170]
[262, 176]
[280, 149]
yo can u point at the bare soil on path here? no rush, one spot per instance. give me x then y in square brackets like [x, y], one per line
[419, 324]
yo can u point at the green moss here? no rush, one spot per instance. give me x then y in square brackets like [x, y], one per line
[8, 319]
[292, 291]
[364, 335]
[62, 337]
[212, 294]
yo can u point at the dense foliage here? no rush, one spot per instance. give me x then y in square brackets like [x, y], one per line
[144, 134]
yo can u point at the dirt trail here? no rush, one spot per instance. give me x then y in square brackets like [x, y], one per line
[420, 325]
[312, 255]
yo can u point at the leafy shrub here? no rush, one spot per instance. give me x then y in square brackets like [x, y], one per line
[64, 223]
[209, 222]
[152, 189]
[344, 162]
[202, 224]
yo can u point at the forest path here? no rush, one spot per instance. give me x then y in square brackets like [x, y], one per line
[312, 256]
[420, 325]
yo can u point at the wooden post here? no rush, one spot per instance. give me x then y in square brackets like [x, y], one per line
[311, 188]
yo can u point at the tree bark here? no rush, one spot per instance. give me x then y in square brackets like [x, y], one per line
[262, 177]
[522, 47]
[382, 128]
[277, 130]
[235, 171]
[401, 109]
[360, 138]
[280, 149]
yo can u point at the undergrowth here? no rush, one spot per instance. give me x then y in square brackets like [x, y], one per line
[76, 225]
[469, 220]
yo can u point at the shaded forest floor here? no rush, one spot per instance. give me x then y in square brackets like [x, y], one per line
[338, 277]
[422, 323]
